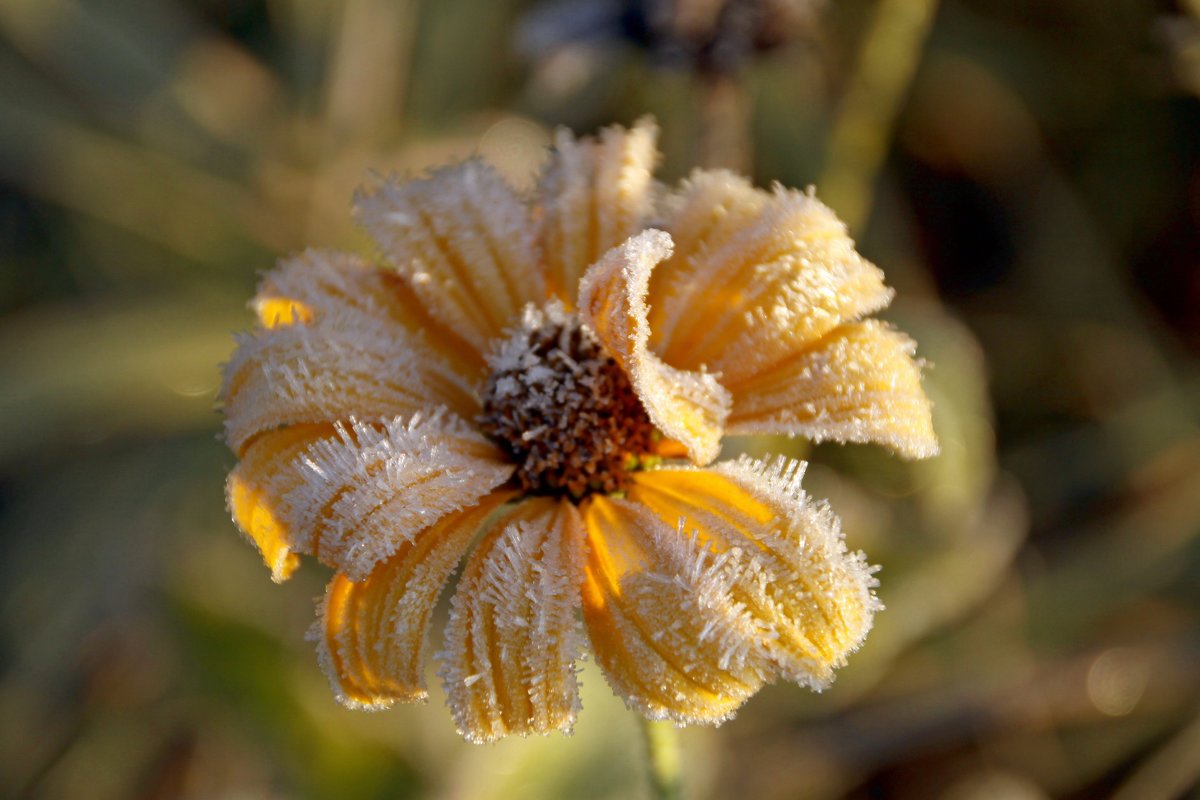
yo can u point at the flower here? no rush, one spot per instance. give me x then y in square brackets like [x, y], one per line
[554, 376]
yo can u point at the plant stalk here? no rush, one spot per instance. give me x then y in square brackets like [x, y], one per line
[664, 765]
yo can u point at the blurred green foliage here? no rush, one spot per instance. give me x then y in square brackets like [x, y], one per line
[1029, 178]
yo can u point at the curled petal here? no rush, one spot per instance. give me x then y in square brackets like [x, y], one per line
[687, 406]
[857, 384]
[316, 283]
[594, 194]
[464, 240]
[371, 635]
[513, 636]
[647, 602]
[751, 286]
[342, 364]
[268, 470]
[769, 568]
[375, 486]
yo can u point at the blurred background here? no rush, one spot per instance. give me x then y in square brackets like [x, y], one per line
[1026, 172]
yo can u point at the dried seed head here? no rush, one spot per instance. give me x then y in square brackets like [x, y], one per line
[562, 408]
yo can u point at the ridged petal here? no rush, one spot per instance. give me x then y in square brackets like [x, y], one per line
[328, 372]
[375, 486]
[857, 384]
[464, 240]
[269, 469]
[756, 278]
[687, 406]
[340, 364]
[708, 210]
[317, 282]
[513, 636]
[595, 194]
[644, 602]
[371, 635]
[767, 567]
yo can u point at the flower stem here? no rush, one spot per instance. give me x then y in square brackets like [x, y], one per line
[663, 757]
[863, 127]
[725, 140]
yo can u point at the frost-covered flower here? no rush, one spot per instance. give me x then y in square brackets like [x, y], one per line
[554, 376]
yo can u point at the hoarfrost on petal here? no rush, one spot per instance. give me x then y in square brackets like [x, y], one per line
[518, 598]
[860, 383]
[371, 634]
[377, 484]
[466, 241]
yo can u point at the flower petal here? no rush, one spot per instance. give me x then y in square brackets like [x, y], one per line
[343, 363]
[771, 571]
[375, 486]
[649, 625]
[268, 470]
[513, 636]
[703, 216]
[595, 194]
[371, 635]
[464, 240]
[858, 384]
[756, 278]
[689, 407]
[321, 282]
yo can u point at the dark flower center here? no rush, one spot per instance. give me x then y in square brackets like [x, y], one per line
[563, 409]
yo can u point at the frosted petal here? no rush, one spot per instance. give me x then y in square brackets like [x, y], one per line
[756, 277]
[371, 635]
[595, 194]
[513, 637]
[857, 384]
[268, 470]
[643, 602]
[377, 485]
[464, 240]
[687, 406]
[343, 363]
[320, 282]
[708, 210]
[767, 568]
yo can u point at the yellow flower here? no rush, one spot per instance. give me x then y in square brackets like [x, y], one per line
[535, 373]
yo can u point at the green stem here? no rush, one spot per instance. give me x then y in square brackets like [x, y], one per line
[664, 765]
[864, 125]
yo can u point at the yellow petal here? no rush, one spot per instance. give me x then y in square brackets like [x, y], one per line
[375, 486]
[857, 384]
[314, 283]
[274, 312]
[689, 407]
[343, 363]
[269, 469]
[464, 240]
[708, 210]
[513, 635]
[594, 194]
[371, 635]
[774, 581]
[753, 285]
[649, 627]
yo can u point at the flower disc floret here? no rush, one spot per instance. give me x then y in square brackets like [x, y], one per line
[563, 409]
